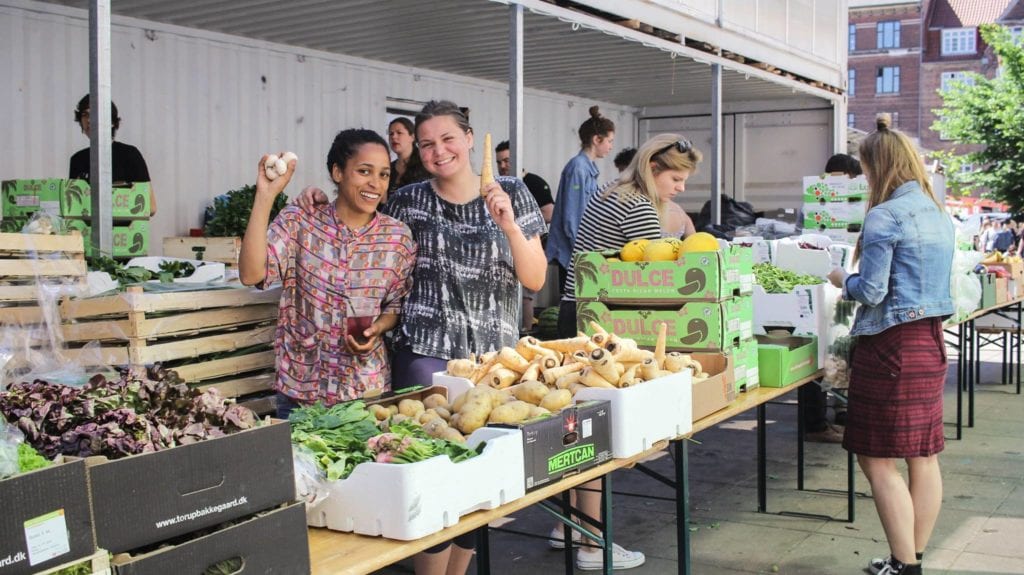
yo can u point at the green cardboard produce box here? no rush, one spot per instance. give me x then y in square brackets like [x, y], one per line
[828, 189]
[129, 202]
[696, 326]
[745, 365]
[22, 198]
[12, 225]
[130, 240]
[695, 276]
[837, 216]
[784, 360]
[994, 290]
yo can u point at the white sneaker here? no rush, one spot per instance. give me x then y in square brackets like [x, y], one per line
[589, 559]
[557, 541]
[877, 564]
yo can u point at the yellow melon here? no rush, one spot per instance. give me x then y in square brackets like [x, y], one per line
[633, 251]
[699, 242]
[660, 251]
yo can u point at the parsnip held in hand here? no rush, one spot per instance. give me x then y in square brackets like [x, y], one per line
[486, 171]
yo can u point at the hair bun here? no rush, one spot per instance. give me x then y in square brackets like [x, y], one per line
[465, 111]
[595, 112]
[883, 121]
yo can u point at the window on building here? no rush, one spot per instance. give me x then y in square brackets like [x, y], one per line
[853, 37]
[950, 78]
[966, 168]
[851, 82]
[895, 119]
[888, 34]
[958, 41]
[850, 120]
[1016, 32]
[888, 80]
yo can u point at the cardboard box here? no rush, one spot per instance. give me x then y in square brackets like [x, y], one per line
[807, 310]
[717, 391]
[1014, 269]
[12, 225]
[223, 250]
[646, 413]
[130, 240]
[696, 276]
[994, 290]
[276, 542]
[745, 375]
[572, 440]
[696, 326]
[413, 500]
[784, 360]
[129, 201]
[46, 519]
[784, 215]
[763, 250]
[22, 198]
[828, 189]
[153, 497]
[847, 216]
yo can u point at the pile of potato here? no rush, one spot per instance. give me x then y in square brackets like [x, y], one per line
[433, 413]
[541, 377]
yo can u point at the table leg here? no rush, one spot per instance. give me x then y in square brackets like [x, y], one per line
[1016, 337]
[762, 465]
[976, 371]
[567, 532]
[800, 409]
[961, 377]
[606, 520]
[682, 506]
[483, 550]
[850, 493]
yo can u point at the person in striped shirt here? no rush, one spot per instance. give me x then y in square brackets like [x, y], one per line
[631, 210]
[345, 268]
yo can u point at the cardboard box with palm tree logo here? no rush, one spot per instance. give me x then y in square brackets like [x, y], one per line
[694, 276]
[129, 201]
[130, 239]
[695, 326]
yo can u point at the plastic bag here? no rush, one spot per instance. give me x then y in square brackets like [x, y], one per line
[44, 223]
[735, 214]
[10, 438]
[964, 286]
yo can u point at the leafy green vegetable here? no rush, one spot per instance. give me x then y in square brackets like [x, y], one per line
[123, 275]
[229, 214]
[777, 280]
[29, 459]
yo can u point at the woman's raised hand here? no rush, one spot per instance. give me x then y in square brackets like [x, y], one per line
[499, 204]
[268, 188]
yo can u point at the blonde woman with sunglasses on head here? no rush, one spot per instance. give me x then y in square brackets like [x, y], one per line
[631, 209]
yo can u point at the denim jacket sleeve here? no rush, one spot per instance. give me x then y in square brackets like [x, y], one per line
[571, 191]
[879, 238]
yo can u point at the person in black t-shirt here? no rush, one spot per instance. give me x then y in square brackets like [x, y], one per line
[127, 163]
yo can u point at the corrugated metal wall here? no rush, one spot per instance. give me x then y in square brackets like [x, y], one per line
[202, 107]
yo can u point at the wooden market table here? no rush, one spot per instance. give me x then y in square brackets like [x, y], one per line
[337, 553]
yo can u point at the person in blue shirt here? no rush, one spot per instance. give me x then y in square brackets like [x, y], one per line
[899, 365]
[575, 188]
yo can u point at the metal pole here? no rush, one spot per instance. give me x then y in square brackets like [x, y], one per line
[716, 143]
[682, 506]
[100, 123]
[515, 88]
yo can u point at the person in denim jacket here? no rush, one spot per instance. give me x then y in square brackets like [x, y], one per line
[899, 365]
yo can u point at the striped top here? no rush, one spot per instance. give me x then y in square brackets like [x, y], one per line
[465, 296]
[608, 224]
[327, 270]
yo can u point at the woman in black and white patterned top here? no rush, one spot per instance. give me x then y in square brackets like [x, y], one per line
[630, 210]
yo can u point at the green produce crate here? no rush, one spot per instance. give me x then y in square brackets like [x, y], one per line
[696, 326]
[829, 189]
[130, 240]
[782, 361]
[695, 276]
[838, 216]
[745, 365]
[22, 198]
[129, 202]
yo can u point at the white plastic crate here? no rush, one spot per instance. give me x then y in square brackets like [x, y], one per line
[647, 412]
[412, 500]
[642, 415]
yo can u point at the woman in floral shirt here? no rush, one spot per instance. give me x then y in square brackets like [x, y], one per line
[336, 262]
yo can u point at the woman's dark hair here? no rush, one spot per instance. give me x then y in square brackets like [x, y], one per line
[406, 123]
[347, 142]
[435, 108]
[844, 163]
[623, 158]
[83, 105]
[596, 125]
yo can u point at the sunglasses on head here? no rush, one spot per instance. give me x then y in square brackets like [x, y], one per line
[681, 146]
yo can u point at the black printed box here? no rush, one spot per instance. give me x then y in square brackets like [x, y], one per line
[152, 497]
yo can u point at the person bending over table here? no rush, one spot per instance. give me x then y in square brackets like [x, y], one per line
[630, 210]
[475, 248]
[345, 270]
[899, 365]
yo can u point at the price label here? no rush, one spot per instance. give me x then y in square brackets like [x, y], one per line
[47, 537]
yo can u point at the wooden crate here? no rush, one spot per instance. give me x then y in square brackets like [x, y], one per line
[224, 250]
[99, 563]
[26, 260]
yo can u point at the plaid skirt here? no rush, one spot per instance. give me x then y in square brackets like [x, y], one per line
[896, 383]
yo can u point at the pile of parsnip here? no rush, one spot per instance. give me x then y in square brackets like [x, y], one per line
[541, 377]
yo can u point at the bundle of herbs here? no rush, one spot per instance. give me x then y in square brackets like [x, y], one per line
[117, 418]
[341, 437]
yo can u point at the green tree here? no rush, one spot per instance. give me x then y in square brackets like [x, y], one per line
[990, 113]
